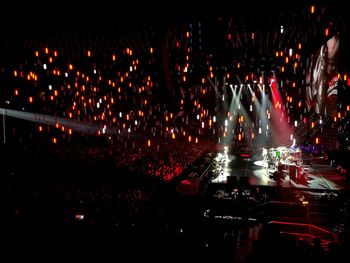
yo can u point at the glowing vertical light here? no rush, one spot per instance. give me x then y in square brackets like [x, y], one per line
[312, 9]
[290, 52]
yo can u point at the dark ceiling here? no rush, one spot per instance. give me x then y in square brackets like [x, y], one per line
[67, 15]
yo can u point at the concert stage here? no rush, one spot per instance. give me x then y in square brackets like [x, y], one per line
[316, 175]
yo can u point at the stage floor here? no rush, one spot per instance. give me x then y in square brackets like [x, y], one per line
[319, 176]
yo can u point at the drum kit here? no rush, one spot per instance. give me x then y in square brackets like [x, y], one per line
[285, 159]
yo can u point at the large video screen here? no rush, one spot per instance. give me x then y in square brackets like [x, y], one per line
[322, 79]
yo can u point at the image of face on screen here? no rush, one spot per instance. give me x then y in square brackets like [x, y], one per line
[319, 85]
[323, 93]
